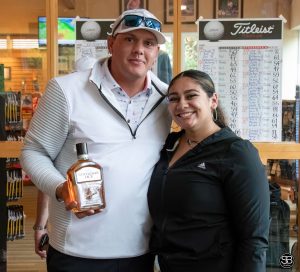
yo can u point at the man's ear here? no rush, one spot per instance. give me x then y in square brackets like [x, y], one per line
[157, 54]
[110, 41]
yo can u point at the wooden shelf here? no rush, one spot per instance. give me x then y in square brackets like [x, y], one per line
[282, 181]
[282, 150]
[10, 149]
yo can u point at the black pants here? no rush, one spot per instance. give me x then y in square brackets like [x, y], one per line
[59, 262]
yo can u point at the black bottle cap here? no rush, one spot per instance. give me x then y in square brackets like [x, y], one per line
[81, 149]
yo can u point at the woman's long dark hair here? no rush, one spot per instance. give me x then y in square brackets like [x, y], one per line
[206, 83]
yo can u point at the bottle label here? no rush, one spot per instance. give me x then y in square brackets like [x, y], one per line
[88, 174]
[89, 194]
[89, 183]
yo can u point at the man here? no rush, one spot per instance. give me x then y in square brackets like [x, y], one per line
[118, 108]
[133, 4]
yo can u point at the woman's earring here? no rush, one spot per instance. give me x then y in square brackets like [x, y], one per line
[215, 115]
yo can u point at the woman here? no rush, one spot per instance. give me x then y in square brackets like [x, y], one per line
[208, 195]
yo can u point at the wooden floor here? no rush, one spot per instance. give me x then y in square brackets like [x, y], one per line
[20, 253]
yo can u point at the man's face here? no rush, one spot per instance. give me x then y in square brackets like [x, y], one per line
[133, 54]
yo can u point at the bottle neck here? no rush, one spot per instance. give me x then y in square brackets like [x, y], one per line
[83, 157]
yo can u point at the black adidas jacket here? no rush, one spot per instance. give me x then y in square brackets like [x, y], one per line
[211, 208]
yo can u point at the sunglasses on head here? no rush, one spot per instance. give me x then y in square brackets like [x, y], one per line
[136, 20]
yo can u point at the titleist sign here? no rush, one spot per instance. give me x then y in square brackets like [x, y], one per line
[247, 28]
[241, 29]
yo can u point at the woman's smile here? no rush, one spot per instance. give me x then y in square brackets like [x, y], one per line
[186, 114]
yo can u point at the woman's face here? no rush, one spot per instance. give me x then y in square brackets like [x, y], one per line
[190, 106]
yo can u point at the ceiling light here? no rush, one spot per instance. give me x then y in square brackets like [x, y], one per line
[25, 43]
[3, 44]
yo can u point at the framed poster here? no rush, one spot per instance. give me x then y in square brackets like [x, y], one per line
[133, 4]
[189, 11]
[7, 73]
[228, 8]
[92, 44]
[246, 68]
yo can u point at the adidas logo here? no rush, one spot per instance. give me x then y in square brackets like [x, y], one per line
[201, 165]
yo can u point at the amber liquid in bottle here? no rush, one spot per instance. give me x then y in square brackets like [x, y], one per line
[85, 182]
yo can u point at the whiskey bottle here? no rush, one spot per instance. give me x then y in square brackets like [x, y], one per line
[85, 182]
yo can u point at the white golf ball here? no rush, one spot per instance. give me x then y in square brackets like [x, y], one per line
[90, 31]
[214, 30]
